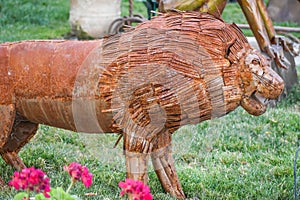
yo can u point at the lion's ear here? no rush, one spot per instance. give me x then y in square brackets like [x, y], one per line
[229, 44]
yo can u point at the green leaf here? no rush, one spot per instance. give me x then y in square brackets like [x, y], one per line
[20, 196]
[42, 197]
[60, 194]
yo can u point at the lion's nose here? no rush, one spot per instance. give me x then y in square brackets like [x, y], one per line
[277, 85]
[271, 85]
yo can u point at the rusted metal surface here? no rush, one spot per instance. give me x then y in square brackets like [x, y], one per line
[266, 19]
[179, 68]
[255, 20]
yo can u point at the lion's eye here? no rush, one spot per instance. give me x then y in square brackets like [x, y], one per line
[255, 62]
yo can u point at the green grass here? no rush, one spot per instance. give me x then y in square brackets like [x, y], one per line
[33, 19]
[235, 157]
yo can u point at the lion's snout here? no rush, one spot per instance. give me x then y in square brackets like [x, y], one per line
[272, 85]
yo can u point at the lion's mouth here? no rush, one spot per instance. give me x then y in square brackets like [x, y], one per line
[259, 98]
[255, 104]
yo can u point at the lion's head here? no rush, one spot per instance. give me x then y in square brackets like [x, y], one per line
[259, 82]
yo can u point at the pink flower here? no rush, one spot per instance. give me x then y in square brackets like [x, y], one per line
[77, 172]
[31, 179]
[86, 177]
[138, 190]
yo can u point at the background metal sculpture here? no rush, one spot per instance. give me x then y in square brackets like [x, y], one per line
[118, 24]
[179, 68]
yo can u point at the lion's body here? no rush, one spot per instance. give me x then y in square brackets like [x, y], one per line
[177, 69]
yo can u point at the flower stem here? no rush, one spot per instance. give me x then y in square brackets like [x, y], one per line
[28, 194]
[70, 186]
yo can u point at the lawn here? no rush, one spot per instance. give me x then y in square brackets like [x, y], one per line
[235, 157]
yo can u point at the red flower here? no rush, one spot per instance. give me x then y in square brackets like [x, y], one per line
[31, 179]
[138, 190]
[77, 172]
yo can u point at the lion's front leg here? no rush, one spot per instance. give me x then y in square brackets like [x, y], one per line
[163, 163]
[136, 157]
[164, 167]
[137, 166]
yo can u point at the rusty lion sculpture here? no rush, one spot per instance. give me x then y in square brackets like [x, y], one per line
[179, 68]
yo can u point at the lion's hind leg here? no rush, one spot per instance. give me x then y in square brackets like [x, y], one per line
[7, 117]
[22, 131]
[16, 132]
